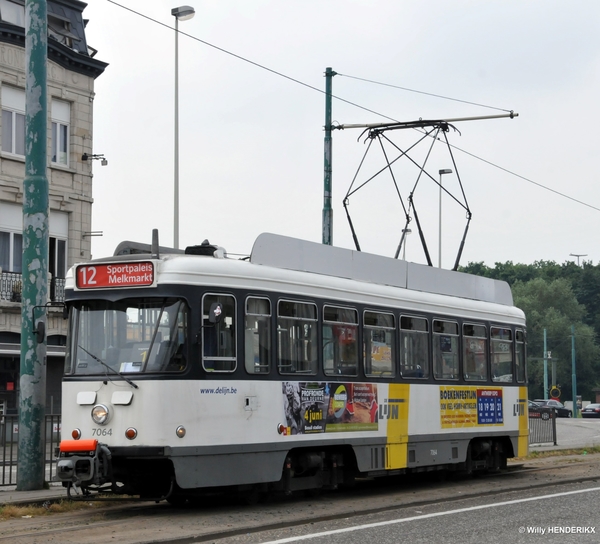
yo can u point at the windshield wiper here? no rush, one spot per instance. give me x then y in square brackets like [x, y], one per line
[109, 367]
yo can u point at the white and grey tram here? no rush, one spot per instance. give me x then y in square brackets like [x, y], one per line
[302, 367]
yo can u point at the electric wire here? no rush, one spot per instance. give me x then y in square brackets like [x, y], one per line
[321, 91]
[423, 92]
[258, 65]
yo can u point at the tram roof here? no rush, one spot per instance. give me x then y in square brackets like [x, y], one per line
[288, 253]
[294, 254]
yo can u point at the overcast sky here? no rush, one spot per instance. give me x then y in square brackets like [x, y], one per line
[251, 141]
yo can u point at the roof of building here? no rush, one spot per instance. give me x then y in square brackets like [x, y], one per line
[67, 45]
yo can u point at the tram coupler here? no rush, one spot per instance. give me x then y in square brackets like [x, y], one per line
[83, 462]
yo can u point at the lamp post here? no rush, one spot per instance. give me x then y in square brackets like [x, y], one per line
[182, 13]
[578, 255]
[441, 172]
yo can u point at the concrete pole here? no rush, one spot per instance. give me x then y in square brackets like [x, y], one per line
[32, 399]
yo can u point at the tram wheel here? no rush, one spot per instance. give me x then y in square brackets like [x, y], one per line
[251, 497]
[177, 501]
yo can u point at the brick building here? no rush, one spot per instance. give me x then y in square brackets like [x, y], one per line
[71, 72]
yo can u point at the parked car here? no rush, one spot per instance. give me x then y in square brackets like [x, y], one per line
[591, 410]
[561, 411]
[536, 411]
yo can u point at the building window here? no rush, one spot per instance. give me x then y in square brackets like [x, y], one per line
[59, 29]
[13, 121]
[61, 117]
[11, 252]
[57, 265]
[12, 12]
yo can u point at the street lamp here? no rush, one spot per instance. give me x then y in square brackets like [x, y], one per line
[578, 255]
[441, 172]
[182, 13]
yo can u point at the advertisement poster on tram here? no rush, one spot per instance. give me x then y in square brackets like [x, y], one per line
[470, 406]
[323, 407]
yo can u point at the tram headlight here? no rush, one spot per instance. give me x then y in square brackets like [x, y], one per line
[100, 414]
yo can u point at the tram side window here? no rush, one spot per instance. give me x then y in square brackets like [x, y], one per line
[414, 347]
[297, 344]
[520, 356]
[502, 354]
[340, 341]
[218, 339]
[445, 350]
[257, 335]
[475, 349]
[379, 330]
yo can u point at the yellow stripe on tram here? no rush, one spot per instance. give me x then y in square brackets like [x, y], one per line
[395, 410]
[523, 443]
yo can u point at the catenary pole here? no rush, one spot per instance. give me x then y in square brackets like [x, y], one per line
[32, 394]
[545, 366]
[327, 209]
[573, 372]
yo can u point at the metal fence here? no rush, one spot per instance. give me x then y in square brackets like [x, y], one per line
[542, 426]
[9, 447]
[11, 287]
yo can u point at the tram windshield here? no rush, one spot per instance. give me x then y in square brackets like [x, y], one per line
[127, 336]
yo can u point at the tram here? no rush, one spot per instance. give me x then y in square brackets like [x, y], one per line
[302, 367]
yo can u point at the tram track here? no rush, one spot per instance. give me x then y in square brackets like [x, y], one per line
[219, 520]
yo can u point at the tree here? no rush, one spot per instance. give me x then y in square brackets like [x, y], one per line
[552, 305]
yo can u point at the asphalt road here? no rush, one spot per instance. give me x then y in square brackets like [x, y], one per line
[574, 433]
[565, 514]
[425, 506]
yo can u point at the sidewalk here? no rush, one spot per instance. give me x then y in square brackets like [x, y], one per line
[9, 495]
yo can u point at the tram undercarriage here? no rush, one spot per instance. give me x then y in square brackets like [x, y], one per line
[100, 471]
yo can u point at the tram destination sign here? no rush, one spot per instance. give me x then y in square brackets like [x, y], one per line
[111, 275]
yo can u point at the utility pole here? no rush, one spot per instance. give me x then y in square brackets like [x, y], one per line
[573, 372]
[327, 209]
[545, 367]
[32, 398]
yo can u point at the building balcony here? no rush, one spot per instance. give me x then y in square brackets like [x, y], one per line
[11, 287]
